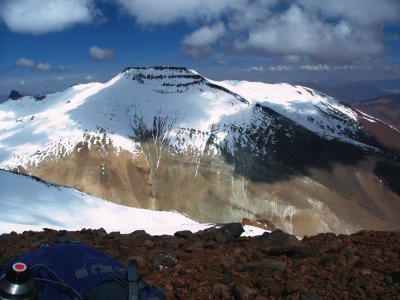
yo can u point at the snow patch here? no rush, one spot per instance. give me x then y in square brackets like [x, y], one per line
[29, 204]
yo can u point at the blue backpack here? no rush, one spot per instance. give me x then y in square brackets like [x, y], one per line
[76, 271]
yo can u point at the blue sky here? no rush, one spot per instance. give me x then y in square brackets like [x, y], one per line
[49, 45]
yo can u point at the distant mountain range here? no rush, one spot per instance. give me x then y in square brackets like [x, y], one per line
[389, 85]
[167, 138]
[351, 92]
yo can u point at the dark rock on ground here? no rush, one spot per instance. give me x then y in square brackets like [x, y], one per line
[183, 234]
[225, 233]
[395, 276]
[218, 264]
[265, 265]
[294, 251]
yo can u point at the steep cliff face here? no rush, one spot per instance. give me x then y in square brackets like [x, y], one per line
[170, 139]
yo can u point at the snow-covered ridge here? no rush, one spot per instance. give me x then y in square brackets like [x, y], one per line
[202, 115]
[315, 111]
[28, 203]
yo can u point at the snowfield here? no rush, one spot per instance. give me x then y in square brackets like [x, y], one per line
[30, 204]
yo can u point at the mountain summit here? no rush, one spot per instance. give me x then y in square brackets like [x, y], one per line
[167, 138]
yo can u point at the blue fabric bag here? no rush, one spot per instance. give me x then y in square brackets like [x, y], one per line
[76, 271]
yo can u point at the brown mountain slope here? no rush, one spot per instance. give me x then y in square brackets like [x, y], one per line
[386, 108]
[386, 135]
[341, 199]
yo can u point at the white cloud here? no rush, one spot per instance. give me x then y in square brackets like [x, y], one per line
[161, 12]
[255, 69]
[279, 68]
[223, 61]
[88, 77]
[250, 14]
[204, 36]
[339, 31]
[318, 67]
[200, 42]
[30, 63]
[344, 67]
[299, 32]
[290, 32]
[39, 17]
[22, 82]
[42, 67]
[291, 58]
[25, 62]
[100, 54]
[60, 78]
[364, 12]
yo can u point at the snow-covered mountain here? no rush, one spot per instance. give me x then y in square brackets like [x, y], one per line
[195, 109]
[168, 138]
[28, 203]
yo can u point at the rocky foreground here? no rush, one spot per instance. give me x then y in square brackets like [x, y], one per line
[218, 264]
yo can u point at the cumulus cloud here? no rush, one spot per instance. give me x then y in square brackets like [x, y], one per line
[30, 63]
[42, 67]
[25, 62]
[364, 12]
[320, 32]
[339, 31]
[206, 35]
[39, 17]
[161, 12]
[298, 32]
[101, 54]
[200, 41]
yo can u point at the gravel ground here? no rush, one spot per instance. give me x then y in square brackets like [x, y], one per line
[218, 264]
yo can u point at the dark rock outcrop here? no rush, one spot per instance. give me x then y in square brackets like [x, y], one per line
[15, 95]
